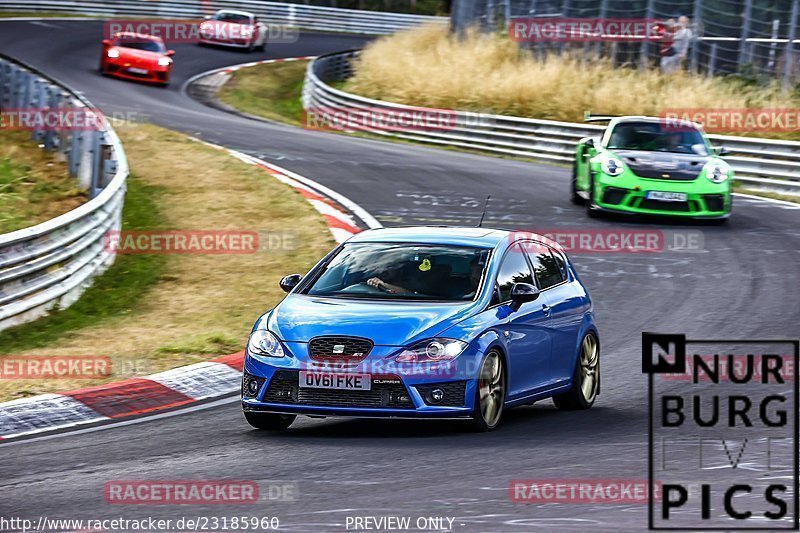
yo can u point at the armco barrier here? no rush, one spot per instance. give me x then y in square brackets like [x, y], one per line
[762, 163]
[295, 15]
[50, 264]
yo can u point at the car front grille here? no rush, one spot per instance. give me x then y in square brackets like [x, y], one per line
[339, 348]
[387, 391]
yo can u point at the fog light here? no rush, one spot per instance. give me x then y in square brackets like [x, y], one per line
[437, 395]
[251, 385]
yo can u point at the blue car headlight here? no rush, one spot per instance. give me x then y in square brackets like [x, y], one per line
[262, 343]
[432, 351]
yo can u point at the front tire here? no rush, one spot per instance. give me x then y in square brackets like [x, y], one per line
[585, 380]
[269, 421]
[591, 208]
[490, 394]
[574, 197]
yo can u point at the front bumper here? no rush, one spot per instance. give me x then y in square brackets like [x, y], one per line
[155, 74]
[628, 195]
[396, 391]
[232, 43]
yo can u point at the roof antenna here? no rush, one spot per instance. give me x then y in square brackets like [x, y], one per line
[485, 205]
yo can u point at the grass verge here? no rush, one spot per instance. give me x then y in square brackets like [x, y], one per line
[153, 312]
[489, 73]
[34, 186]
[271, 91]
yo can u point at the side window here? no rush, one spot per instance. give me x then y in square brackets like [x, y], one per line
[547, 269]
[562, 265]
[514, 269]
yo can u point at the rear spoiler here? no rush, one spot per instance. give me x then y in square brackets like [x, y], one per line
[588, 117]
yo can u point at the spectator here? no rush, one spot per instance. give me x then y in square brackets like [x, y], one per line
[676, 53]
[666, 32]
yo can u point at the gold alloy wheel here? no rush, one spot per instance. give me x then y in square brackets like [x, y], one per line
[492, 389]
[589, 367]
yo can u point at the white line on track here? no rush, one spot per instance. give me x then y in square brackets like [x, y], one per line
[784, 203]
[183, 411]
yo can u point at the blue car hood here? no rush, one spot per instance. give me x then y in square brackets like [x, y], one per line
[301, 317]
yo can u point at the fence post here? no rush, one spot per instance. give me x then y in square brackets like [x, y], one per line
[94, 159]
[51, 136]
[38, 102]
[603, 10]
[644, 52]
[748, 6]
[712, 59]
[3, 79]
[697, 20]
[788, 60]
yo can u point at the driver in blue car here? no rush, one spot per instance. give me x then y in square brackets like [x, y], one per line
[433, 280]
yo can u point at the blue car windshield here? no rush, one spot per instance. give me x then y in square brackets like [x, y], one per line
[657, 137]
[403, 271]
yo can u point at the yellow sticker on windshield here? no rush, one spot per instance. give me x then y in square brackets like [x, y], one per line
[425, 265]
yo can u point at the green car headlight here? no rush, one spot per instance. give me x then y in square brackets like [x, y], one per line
[717, 171]
[611, 166]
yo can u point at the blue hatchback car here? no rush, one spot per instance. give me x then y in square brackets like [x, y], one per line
[427, 322]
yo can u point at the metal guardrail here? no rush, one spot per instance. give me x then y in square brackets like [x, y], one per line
[295, 15]
[761, 163]
[50, 264]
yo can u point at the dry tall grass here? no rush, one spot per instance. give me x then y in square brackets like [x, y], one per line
[428, 67]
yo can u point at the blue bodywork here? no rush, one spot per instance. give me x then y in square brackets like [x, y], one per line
[539, 342]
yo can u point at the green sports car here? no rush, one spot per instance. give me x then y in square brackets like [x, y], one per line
[647, 166]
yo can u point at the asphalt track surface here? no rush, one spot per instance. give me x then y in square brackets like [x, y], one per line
[742, 284]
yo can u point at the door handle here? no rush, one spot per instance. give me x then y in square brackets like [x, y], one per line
[546, 309]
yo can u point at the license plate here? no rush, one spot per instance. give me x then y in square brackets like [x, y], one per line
[136, 70]
[666, 196]
[325, 380]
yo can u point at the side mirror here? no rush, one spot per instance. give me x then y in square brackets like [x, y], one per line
[290, 282]
[521, 293]
[721, 151]
[207, 17]
[106, 42]
[169, 53]
[589, 143]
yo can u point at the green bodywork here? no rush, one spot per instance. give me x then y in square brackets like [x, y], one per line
[628, 191]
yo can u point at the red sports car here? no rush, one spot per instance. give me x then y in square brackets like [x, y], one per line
[136, 56]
